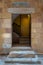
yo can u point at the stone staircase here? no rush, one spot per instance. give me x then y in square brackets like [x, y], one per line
[22, 56]
[24, 41]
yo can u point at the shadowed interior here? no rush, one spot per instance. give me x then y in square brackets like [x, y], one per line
[21, 33]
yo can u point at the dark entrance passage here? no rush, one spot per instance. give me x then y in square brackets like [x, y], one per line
[21, 30]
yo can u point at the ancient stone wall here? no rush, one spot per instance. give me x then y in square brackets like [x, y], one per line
[5, 25]
[36, 22]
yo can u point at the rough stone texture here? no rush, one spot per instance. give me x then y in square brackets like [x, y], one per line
[3, 58]
[8, 30]
[6, 23]
[36, 20]
[2, 30]
[37, 32]
[37, 24]
[0, 10]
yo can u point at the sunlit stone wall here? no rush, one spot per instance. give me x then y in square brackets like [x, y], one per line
[5, 26]
[37, 33]
[36, 22]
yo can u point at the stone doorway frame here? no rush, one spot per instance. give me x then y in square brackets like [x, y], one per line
[21, 11]
[29, 30]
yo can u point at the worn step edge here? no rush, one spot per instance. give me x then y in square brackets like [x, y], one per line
[21, 55]
[21, 48]
[22, 52]
[22, 59]
[22, 63]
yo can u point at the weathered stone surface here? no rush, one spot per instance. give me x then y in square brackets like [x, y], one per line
[36, 20]
[8, 30]
[1, 10]
[0, 0]
[21, 10]
[7, 3]
[37, 32]
[6, 15]
[1, 21]
[22, 56]
[1, 5]
[6, 23]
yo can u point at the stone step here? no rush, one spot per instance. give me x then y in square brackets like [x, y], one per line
[14, 63]
[19, 60]
[21, 48]
[30, 63]
[22, 60]
[4, 51]
[24, 40]
[21, 55]
[22, 52]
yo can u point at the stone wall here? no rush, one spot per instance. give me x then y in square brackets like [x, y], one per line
[5, 26]
[36, 22]
[37, 27]
[37, 33]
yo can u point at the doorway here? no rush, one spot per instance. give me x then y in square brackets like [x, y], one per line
[21, 30]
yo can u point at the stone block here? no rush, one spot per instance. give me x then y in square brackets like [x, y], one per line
[6, 15]
[1, 4]
[1, 21]
[7, 3]
[1, 10]
[7, 40]
[2, 30]
[0, 15]
[6, 45]
[6, 23]
[8, 30]
[6, 35]
[1, 41]
[0, 0]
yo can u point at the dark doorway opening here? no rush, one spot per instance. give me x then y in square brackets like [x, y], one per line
[21, 30]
